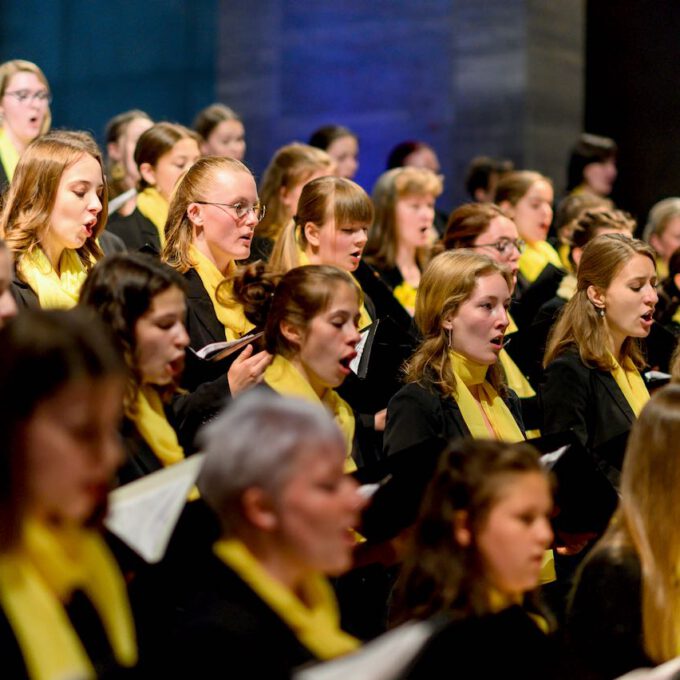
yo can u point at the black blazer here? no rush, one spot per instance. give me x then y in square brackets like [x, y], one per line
[136, 231]
[23, 294]
[589, 402]
[417, 414]
[604, 616]
[222, 628]
[202, 323]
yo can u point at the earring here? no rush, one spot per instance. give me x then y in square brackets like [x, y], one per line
[600, 312]
[450, 333]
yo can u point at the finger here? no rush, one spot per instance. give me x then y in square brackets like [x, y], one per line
[245, 354]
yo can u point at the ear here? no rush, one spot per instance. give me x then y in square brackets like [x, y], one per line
[508, 209]
[461, 529]
[146, 170]
[258, 509]
[195, 214]
[597, 297]
[676, 281]
[447, 323]
[654, 242]
[312, 234]
[291, 333]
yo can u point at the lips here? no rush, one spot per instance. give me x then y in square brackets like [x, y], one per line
[497, 342]
[346, 361]
[176, 366]
[647, 319]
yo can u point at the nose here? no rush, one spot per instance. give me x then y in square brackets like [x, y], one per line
[502, 322]
[354, 336]
[652, 296]
[362, 237]
[182, 338]
[544, 532]
[251, 218]
[95, 205]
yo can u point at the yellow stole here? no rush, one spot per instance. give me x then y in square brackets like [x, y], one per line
[661, 269]
[54, 291]
[563, 250]
[676, 316]
[535, 258]
[364, 317]
[230, 316]
[149, 418]
[406, 296]
[9, 156]
[469, 373]
[39, 575]
[632, 385]
[567, 287]
[514, 377]
[155, 208]
[315, 622]
[283, 377]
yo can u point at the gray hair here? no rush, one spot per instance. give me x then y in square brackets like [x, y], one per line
[659, 217]
[255, 442]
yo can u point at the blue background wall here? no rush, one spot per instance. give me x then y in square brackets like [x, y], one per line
[466, 77]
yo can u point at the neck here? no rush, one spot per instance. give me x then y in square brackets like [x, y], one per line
[615, 344]
[53, 253]
[313, 255]
[319, 389]
[17, 143]
[276, 560]
[406, 256]
[220, 260]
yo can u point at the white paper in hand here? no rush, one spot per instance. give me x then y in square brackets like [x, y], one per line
[549, 460]
[143, 514]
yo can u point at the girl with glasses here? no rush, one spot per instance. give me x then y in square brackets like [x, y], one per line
[162, 154]
[24, 112]
[210, 227]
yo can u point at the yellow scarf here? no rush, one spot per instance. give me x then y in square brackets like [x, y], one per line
[514, 377]
[661, 269]
[231, 317]
[676, 316]
[283, 377]
[364, 317]
[469, 373]
[632, 385]
[567, 287]
[155, 208]
[149, 418]
[406, 296]
[9, 156]
[316, 624]
[39, 575]
[563, 250]
[54, 291]
[535, 258]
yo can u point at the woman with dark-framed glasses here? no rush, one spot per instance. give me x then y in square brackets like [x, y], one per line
[24, 112]
[210, 226]
[485, 228]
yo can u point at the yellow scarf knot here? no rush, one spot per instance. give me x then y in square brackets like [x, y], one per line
[536, 257]
[39, 575]
[315, 624]
[283, 377]
[469, 373]
[54, 291]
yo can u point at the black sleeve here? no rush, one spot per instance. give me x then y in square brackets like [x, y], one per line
[413, 416]
[565, 397]
[604, 616]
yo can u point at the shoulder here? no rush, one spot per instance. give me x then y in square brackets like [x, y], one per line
[415, 393]
[23, 294]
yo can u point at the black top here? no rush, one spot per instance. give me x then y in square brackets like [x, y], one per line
[417, 414]
[202, 323]
[506, 644]
[604, 616]
[136, 231]
[223, 629]
[23, 294]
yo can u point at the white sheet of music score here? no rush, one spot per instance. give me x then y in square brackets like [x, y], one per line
[143, 513]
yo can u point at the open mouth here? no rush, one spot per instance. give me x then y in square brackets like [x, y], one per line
[176, 366]
[346, 361]
[497, 342]
[648, 317]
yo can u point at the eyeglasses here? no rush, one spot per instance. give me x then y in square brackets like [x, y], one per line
[504, 245]
[240, 209]
[23, 96]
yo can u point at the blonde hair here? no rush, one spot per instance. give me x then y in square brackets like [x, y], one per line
[291, 165]
[179, 229]
[579, 323]
[446, 284]
[383, 238]
[14, 66]
[29, 202]
[644, 519]
[322, 199]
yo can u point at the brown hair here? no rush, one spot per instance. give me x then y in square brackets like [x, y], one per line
[590, 222]
[322, 199]
[296, 297]
[439, 574]
[291, 165]
[644, 519]
[383, 238]
[209, 118]
[156, 142]
[579, 324]
[32, 194]
[513, 186]
[14, 66]
[447, 283]
[179, 230]
[468, 222]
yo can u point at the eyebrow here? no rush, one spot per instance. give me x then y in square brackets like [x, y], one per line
[86, 182]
